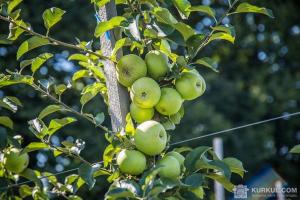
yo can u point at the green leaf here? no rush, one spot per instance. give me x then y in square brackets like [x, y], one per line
[193, 156]
[119, 44]
[185, 30]
[79, 57]
[49, 110]
[114, 22]
[235, 166]
[208, 62]
[4, 40]
[33, 146]
[194, 42]
[222, 36]
[30, 44]
[25, 63]
[38, 61]
[25, 191]
[10, 103]
[15, 31]
[100, 117]
[12, 5]
[15, 79]
[100, 3]
[203, 9]
[89, 92]
[56, 124]
[182, 7]
[194, 180]
[295, 149]
[51, 16]
[80, 74]
[227, 29]
[168, 124]
[6, 121]
[222, 180]
[60, 89]
[248, 8]
[86, 171]
[217, 165]
[163, 15]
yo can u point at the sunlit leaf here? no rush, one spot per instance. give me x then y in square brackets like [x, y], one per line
[12, 5]
[203, 9]
[182, 7]
[51, 16]
[163, 15]
[56, 124]
[60, 89]
[79, 57]
[114, 22]
[25, 191]
[222, 180]
[295, 149]
[119, 44]
[38, 61]
[100, 3]
[208, 62]
[80, 74]
[222, 36]
[34, 146]
[6, 121]
[15, 79]
[248, 8]
[49, 110]
[185, 30]
[30, 44]
[235, 165]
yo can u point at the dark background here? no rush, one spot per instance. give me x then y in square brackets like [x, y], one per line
[259, 78]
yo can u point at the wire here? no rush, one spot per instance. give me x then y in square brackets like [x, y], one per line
[285, 116]
[238, 127]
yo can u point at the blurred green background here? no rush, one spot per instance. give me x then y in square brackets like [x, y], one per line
[259, 78]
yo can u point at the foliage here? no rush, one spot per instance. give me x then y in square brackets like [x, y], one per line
[144, 25]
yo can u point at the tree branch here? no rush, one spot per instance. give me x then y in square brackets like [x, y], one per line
[68, 108]
[54, 41]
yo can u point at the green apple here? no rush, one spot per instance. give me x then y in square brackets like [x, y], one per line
[140, 114]
[180, 158]
[14, 161]
[145, 92]
[170, 167]
[130, 68]
[131, 162]
[157, 64]
[190, 85]
[170, 102]
[150, 138]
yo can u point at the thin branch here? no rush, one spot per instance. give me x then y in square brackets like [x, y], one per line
[54, 41]
[204, 43]
[68, 108]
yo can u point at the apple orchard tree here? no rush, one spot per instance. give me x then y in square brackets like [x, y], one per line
[155, 78]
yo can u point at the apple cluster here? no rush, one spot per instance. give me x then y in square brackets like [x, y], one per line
[149, 98]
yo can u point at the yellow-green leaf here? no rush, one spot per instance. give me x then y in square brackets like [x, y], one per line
[51, 16]
[56, 124]
[248, 8]
[30, 44]
[6, 121]
[295, 149]
[12, 5]
[203, 9]
[38, 61]
[80, 74]
[114, 22]
[163, 15]
[222, 36]
[49, 110]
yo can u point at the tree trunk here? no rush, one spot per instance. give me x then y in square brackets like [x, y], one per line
[117, 95]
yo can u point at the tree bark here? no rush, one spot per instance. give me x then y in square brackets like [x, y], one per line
[117, 95]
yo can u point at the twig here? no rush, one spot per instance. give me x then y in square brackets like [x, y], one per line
[68, 108]
[204, 43]
[54, 41]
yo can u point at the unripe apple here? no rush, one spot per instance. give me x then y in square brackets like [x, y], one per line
[150, 138]
[170, 167]
[131, 162]
[145, 92]
[157, 64]
[130, 68]
[180, 158]
[170, 102]
[190, 85]
[140, 114]
[16, 162]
